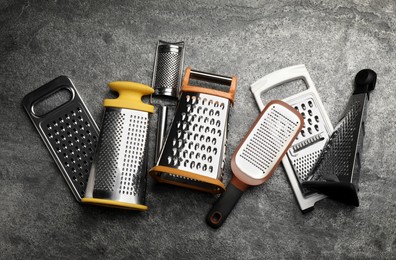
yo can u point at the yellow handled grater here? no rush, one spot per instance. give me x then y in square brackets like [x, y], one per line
[118, 173]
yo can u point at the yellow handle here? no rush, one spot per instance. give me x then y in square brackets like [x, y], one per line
[130, 96]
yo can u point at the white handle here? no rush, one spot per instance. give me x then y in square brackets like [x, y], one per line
[278, 78]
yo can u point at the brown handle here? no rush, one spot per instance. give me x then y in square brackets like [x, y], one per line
[208, 77]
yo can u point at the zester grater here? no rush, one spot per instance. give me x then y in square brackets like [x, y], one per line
[337, 171]
[68, 131]
[194, 151]
[118, 173]
[304, 152]
[258, 155]
[166, 81]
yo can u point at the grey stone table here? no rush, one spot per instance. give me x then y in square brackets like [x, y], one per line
[95, 42]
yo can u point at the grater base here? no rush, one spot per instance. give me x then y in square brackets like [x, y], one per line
[186, 179]
[114, 204]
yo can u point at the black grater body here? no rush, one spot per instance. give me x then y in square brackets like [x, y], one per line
[337, 170]
[68, 131]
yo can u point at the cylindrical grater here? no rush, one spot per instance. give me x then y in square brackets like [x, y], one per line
[302, 155]
[168, 68]
[118, 173]
[194, 151]
[166, 81]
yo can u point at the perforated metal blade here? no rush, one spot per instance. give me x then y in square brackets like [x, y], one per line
[168, 67]
[266, 143]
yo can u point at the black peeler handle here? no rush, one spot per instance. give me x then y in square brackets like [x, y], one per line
[223, 206]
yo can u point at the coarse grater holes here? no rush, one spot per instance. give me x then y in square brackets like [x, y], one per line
[268, 139]
[336, 157]
[303, 153]
[312, 121]
[109, 151]
[199, 135]
[133, 154]
[74, 140]
[167, 74]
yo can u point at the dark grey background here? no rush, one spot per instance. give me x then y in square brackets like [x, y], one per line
[95, 42]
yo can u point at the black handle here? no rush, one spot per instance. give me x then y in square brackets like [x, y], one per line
[365, 81]
[223, 206]
[46, 90]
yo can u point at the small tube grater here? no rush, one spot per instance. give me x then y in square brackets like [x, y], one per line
[337, 171]
[257, 156]
[304, 152]
[166, 81]
[194, 151]
[168, 68]
[68, 131]
[118, 173]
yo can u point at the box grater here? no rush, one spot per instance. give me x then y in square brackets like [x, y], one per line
[194, 151]
[304, 152]
[166, 81]
[258, 155]
[337, 171]
[118, 173]
[68, 131]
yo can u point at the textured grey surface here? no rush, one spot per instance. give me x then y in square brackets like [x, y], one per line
[95, 42]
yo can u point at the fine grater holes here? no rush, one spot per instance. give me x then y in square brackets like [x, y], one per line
[304, 164]
[68, 144]
[133, 155]
[267, 140]
[167, 72]
[109, 151]
[336, 157]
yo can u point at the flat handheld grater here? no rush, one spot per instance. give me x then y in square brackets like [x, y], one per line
[257, 156]
[68, 131]
[305, 150]
[337, 171]
[118, 173]
[194, 151]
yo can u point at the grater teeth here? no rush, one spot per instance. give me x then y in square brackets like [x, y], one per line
[121, 158]
[310, 141]
[196, 140]
[267, 141]
[74, 140]
[168, 66]
[304, 144]
[336, 158]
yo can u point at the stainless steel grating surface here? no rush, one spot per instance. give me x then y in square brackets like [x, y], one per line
[197, 135]
[120, 158]
[74, 140]
[168, 67]
[266, 141]
[336, 158]
[310, 141]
